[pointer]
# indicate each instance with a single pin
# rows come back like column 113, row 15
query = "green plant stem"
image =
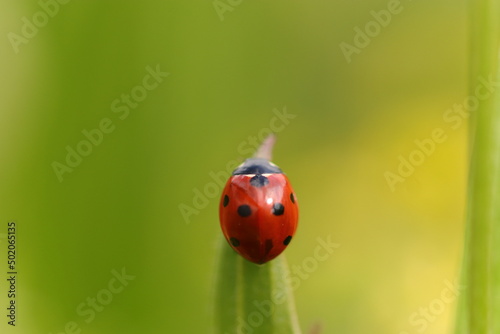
column 253, row 298
column 479, row 308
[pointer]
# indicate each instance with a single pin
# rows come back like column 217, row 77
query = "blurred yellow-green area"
column 108, row 163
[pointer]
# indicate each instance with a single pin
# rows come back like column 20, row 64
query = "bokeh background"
column 120, row 206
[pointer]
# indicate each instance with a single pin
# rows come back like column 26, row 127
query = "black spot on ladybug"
column 292, row 198
column 268, row 245
column 244, row 210
column 226, row 201
column 278, row 209
column 235, row 242
column 259, row 180
column 287, row 240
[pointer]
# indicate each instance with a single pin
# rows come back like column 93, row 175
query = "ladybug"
column 258, row 209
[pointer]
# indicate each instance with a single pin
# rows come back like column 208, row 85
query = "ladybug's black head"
column 257, row 166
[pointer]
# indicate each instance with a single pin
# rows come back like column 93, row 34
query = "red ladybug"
column 258, row 210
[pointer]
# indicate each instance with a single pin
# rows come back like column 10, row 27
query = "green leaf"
column 479, row 308
column 253, row 298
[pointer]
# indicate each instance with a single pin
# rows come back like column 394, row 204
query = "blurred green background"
column 120, row 206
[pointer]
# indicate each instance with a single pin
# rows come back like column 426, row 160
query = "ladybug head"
column 257, row 166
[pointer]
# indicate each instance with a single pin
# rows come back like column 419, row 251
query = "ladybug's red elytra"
column 258, row 210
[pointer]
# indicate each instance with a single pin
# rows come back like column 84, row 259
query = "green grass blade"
column 227, row 294
column 285, row 319
column 253, row 298
column 479, row 309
